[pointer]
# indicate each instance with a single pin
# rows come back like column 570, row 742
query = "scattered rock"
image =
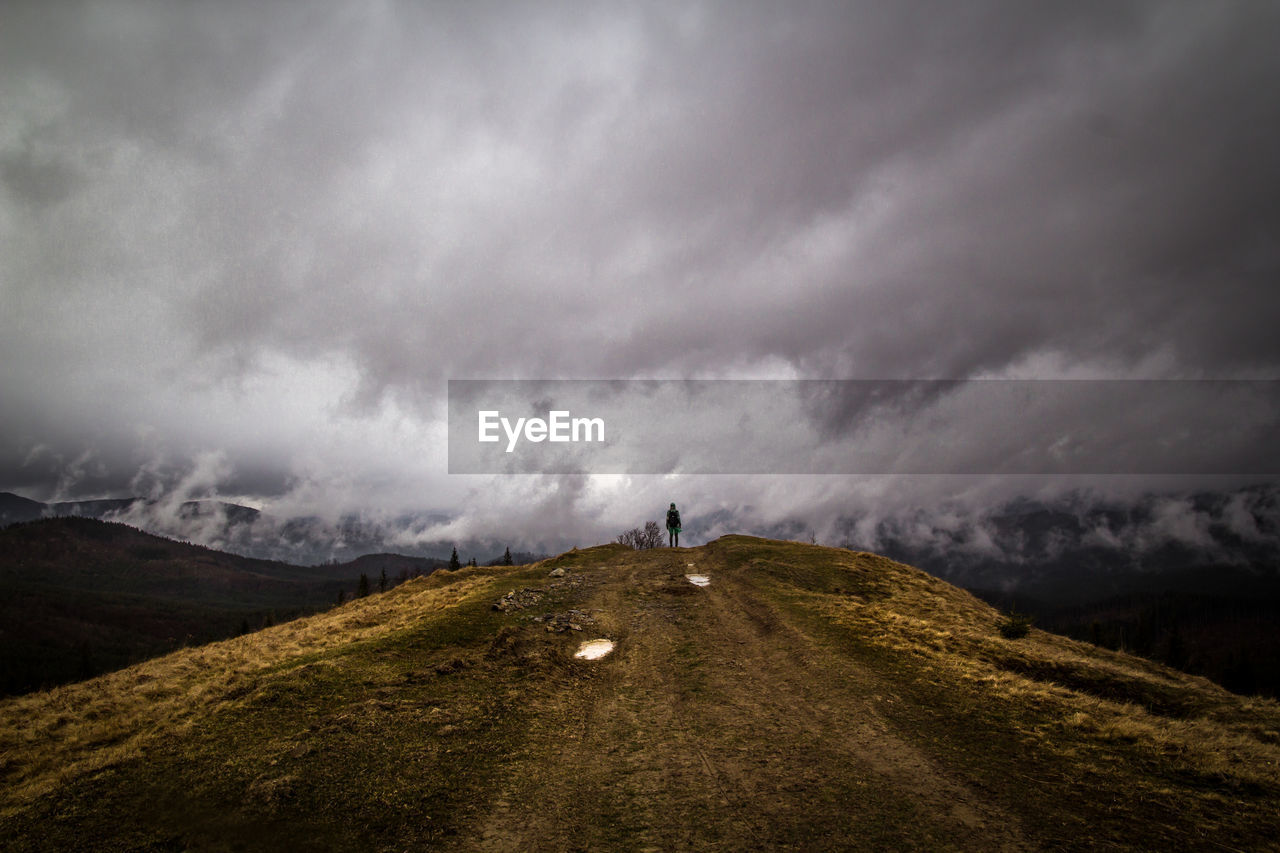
column 570, row 620
column 558, row 573
column 519, row 599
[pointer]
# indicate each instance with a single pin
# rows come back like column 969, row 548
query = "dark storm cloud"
column 273, row 231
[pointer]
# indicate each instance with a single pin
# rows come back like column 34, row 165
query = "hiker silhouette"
column 673, row 526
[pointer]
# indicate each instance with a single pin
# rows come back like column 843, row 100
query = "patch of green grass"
column 689, row 668
column 811, row 568
column 592, row 557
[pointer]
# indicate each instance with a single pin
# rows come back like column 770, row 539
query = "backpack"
column 673, row 518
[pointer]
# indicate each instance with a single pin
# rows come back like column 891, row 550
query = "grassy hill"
column 808, row 698
column 397, row 567
column 80, row 596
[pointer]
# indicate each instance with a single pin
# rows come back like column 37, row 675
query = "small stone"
column 575, row 626
column 558, row 573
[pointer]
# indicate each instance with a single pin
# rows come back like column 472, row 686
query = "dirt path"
column 716, row 725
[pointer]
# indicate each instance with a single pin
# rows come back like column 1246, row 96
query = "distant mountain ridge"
column 15, row 509
column 1186, row 578
column 1075, row 549
column 79, row 596
column 238, row 529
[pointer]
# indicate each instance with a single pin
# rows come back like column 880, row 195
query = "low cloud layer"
column 268, row 235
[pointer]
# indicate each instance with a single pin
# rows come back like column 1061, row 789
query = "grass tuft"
column 1015, row 626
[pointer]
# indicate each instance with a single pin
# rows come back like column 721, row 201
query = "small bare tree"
column 652, row 537
column 631, row 538
column 649, row 537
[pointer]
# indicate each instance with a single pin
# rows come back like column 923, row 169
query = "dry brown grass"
column 809, row 698
column 957, row 637
column 50, row 738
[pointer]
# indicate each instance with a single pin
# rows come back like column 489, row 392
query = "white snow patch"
column 699, row 580
column 594, row 649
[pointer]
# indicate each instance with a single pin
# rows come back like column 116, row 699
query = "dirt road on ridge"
column 716, row 724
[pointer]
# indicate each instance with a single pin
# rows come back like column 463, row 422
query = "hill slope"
column 808, row 697
column 79, row 596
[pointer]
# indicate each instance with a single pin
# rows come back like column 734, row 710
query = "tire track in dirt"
column 809, row 692
column 602, row 745
column 716, row 725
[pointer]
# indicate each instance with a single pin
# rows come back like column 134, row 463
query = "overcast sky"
column 243, row 246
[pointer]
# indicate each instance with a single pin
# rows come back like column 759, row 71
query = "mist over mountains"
column 306, row 540
column 1192, row 578
column 1075, row 549
column 1072, row 548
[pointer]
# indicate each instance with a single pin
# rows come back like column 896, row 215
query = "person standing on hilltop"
column 673, row 526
